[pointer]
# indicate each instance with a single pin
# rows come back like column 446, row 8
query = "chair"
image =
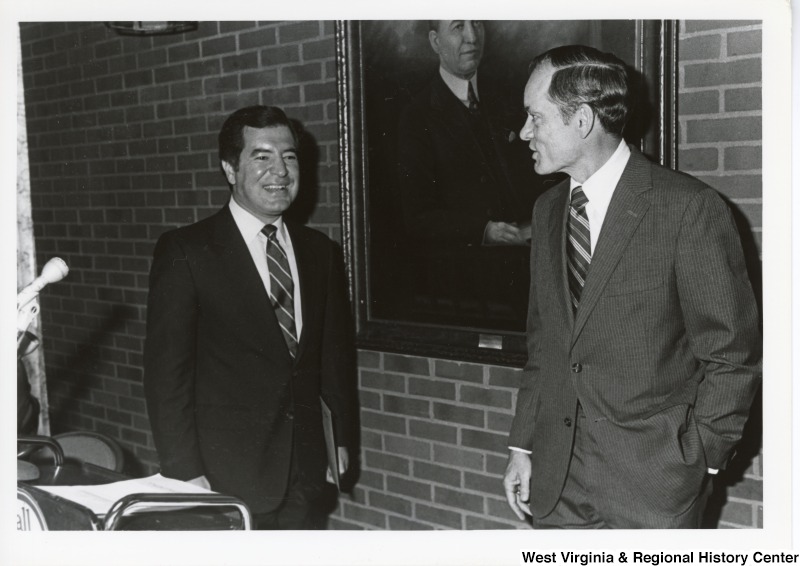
column 92, row 447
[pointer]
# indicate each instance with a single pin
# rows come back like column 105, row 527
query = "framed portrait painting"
column 422, row 189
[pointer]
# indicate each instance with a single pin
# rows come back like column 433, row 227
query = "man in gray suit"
column 644, row 352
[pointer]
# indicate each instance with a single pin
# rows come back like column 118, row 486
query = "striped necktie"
column 472, row 99
column 281, row 287
column 579, row 247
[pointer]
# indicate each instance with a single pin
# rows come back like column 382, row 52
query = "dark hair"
column 585, row 75
column 231, row 140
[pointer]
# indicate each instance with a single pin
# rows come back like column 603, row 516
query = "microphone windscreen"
column 54, row 270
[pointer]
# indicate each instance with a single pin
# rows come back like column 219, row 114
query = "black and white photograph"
column 409, row 291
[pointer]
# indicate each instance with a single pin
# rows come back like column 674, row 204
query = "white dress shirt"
column 458, row 86
column 599, row 188
column 250, row 228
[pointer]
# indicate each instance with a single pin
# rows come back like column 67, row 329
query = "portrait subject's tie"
column 472, row 99
column 281, row 287
column 579, row 245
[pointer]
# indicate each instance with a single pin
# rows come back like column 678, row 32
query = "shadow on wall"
column 75, row 376
column 749, row 447
column 308, row 196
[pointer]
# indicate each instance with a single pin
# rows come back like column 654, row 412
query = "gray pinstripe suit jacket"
column 663, row 354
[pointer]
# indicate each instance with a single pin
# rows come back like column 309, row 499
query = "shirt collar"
column 600, row 186
column 249, row 225
column 457, row 85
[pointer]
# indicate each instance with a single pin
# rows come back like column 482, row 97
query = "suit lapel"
column 249, row 299
column 307, row 272
column 557, row 214
column 625, row 211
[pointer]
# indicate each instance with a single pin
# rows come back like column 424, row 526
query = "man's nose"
column 279, row 167
column 470, row 34
column 526, row 133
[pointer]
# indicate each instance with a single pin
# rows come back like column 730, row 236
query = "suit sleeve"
column 169, row 360
column 425, row 215
column 524, row 415
column 721, row 320
column 338, row 364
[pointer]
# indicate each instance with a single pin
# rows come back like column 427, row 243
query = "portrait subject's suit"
column 663, row 353
column 225, row 398
column 455, row 172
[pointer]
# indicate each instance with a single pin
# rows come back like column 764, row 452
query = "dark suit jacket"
column 224, row 396
column 446, row 187
column 664, row 353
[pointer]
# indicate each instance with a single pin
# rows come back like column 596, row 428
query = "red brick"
column 698, row 159
column 299, row 31
column 433, row 431
column 706, row 25
column 745, row 128
column 736, row 186
column 738, row 513
column 403, row 524
column 390, row 503
column 407, row 447
column 744, row 43
column 505, row 377
column 743, row 99
column 410, row 488
column 431, row 388
column 438, row 516
column 485, row 396
column 458, row 415
column 436, row 473
column 407, row 406
column 457, row 370
column 742, row 157
column 383, row 381
column 457, row 457
column 727, row 73
column 364, row 515
column 700, row 47
column 459, row 499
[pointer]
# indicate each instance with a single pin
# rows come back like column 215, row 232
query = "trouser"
column 296, row 511
column 586, row 504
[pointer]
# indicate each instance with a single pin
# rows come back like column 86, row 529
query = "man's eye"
column 290, row 157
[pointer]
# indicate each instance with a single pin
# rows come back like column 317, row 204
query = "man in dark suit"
column 643, row 341
column 465, row 188
column 246, row 329
column 457, row 180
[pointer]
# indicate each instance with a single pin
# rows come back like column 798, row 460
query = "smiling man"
column 246, row 328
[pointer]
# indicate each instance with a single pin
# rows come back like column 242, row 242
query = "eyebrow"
column 263, row 149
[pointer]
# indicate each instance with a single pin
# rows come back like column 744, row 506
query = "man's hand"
column 200, row 481
column 517, row 481
column 504, row 234
column 344, row 464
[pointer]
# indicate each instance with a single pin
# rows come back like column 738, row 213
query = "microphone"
column 53, row 271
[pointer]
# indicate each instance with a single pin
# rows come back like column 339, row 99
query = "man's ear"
column 433, row 37
column 230, row 172
column 584, row 119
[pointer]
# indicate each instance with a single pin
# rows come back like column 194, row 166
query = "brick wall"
column 122, row 135
column 720, row 142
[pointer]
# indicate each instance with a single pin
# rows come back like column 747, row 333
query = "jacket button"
column 290, row 415
column 577, row 368
column 567, row 422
